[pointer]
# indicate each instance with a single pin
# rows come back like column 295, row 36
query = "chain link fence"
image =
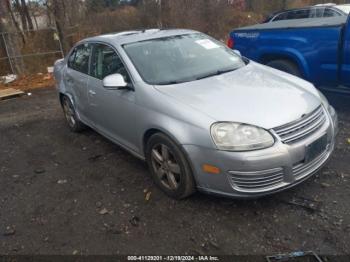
column 38, row 49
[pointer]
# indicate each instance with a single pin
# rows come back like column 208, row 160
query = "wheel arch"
column 154, row 130
column 70, row 97
column 293, row 57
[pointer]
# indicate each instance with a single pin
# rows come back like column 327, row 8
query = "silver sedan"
column 202, row 116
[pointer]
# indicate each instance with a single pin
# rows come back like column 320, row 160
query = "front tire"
column 73, row 122
column 169, row 167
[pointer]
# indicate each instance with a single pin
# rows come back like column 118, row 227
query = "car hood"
column 255, row 94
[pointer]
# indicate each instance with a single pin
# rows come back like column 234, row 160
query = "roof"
column 298, row 23
column 329, row 5
column 137, row 35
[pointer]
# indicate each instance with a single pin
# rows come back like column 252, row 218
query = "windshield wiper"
column 216, row 73
column 174, row 82
column 168, row 83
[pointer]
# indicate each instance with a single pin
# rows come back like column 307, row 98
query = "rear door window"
column 328, row 12
column 299, row 14
column 79, row 59
column 320, row 12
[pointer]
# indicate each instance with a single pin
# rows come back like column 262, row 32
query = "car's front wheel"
column 169, row 167
column 73, row 122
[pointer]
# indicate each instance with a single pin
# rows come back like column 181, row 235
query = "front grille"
column 302, row 128
column 256, row 181
column 272, row 179
column 302, row 170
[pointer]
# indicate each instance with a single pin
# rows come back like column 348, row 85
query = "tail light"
column 230, row 42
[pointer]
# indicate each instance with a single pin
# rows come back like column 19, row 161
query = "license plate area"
column 316, row 148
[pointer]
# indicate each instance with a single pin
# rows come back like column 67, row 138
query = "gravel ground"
column 65, row 193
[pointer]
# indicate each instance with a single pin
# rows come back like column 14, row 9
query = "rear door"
column 76, row 77
column 112, row 111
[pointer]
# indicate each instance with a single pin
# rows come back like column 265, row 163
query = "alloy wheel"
column 166, row 166
column 69, row 113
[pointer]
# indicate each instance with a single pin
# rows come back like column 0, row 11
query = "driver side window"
column 105, row 61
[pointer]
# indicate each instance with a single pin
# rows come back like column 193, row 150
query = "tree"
column 19, row 9
column 10, row 35
column 27, row 15
column 66, row 15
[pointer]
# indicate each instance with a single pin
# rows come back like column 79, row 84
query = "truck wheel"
column 285, row 66
column 169, row 167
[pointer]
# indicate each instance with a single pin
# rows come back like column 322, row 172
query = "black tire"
column 285, row 66
column 179, row 184
column 73, row 121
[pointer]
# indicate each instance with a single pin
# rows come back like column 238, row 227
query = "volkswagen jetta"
column 202, row 116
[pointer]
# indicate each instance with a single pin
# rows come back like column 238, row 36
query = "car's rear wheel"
column 169, row 167
column 73, row 122
column 285, row 66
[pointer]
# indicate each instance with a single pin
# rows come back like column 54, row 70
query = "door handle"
column 92, row 92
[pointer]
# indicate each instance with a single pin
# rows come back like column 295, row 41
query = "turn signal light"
column 211, row 169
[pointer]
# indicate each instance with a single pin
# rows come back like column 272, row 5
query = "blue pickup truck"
column 317, row 50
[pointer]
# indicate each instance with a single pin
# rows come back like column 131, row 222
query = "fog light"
column 211, row 169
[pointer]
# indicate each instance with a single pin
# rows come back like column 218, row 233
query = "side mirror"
column 116, row 82
column 237, row 52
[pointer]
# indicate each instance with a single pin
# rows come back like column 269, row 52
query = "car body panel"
column 102, row 102
column 237, row 91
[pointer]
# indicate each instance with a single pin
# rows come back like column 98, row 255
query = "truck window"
column 316, row 12
column 299, row 14
column 330, row 13
column 282, row 16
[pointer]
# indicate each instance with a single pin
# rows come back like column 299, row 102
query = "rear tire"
column 285, row 66
column 169, row 167
column 73, row 121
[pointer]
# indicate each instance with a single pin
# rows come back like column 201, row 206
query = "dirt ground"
column 30, row 82
column 66, row 193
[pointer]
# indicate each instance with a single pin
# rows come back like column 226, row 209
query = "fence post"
column 7, row 53
column 59, row 41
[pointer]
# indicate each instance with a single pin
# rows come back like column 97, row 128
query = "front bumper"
column 262, row 172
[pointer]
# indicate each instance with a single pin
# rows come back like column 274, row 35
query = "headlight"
column 240, row 137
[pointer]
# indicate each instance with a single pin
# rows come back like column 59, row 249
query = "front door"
column 112, row 111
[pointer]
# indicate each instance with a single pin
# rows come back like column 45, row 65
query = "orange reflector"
column 211, row 169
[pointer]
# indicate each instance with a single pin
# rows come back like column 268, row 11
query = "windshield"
column 181, row 58
column 344, row 8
